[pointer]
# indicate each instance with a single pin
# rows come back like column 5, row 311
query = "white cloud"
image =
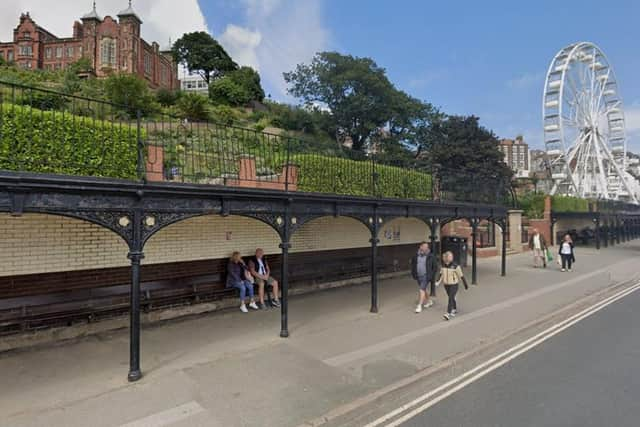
column 162, row 19
column 277, row 35
column 242, row 44
column 526, row 80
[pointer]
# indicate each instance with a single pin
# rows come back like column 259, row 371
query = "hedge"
column 533, row 204
column 324, row 174
column 569, row 204
column 54, row 142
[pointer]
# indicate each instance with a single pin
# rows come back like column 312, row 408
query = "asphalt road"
column 587, row 375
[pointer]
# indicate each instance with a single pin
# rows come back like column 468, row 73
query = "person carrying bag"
column 451, row 275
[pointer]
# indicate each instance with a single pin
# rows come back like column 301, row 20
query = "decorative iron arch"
column 118, row 222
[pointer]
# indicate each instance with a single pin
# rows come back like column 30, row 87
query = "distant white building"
column 194, row 83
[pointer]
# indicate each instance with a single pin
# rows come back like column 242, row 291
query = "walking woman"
column 451, row 276
column 566, row 253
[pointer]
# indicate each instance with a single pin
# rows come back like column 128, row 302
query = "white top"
column 261, row 269
column 566, row 248
column 536, row 242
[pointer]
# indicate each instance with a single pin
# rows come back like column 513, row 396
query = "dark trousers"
column 566, row 260
column 452, row 290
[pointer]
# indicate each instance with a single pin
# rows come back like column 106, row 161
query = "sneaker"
column 275, row 303
column 263, row 306
column 243, row 308
column 428, row 304
column 569, row 270
column 419, row 309
column 562, row 269
column 254, row 306
column 447, row 316
column 454, row 312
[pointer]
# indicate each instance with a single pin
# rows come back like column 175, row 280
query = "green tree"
column 467, row 159
column 131, row 92
column 193, row 106
column 356, row 91
column 237, row 88
column 200, row 53
column 167, row 97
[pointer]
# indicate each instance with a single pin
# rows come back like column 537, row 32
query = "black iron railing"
column 52, row 132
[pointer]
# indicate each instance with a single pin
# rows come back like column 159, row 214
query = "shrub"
column 193, row 106
column 532, row 205
column 224, row 114
column 569, row 204
column 45, row 141
column 131, row 92
column 323, row 174
column 237, row 87
column 166, row 97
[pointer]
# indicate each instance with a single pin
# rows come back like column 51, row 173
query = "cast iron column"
column 605, row 234
column 596, row 221
column 374, row 263
column 432, row 240
column 503, row 266
column 135, row 255
column 474, row 272
column 284, row 275
column 618, row 230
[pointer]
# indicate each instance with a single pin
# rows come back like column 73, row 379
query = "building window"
column 164, row 74
column 26, row 50
column 1, row 54
column 108, row 52
column 58, row 52
column 70, row 52
column 147, row 64
column 26, row 36
column 48, row 52
column 10, row 56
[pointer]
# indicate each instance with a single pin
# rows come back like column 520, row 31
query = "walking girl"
column 451, row 276
column 566, row 253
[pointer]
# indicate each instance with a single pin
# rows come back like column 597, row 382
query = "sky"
column 486, row 58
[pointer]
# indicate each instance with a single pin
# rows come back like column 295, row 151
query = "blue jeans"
column 246, row 289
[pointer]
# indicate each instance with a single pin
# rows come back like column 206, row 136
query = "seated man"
column 259, row 269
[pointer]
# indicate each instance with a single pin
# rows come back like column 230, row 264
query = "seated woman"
column 238, row 277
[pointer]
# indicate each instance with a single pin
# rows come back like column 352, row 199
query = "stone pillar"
column 514, row 220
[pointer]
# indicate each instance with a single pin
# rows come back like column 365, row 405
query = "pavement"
column 232, row 369
column 586, row 376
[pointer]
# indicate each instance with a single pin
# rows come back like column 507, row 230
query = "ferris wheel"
column 584, row 130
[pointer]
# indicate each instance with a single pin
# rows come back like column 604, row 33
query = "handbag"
column 549, row 255
column 559, row 259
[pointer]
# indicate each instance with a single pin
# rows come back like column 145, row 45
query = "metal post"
column 432, row 241
column 618, row 230
column 503, row 267
column 284, row 275
column 551, row 233
column 135, row 255
column 141, row 166
column 374, row 264
column 598, row 231
column 474, row 272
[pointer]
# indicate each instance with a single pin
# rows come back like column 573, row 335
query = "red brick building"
column 110, row 45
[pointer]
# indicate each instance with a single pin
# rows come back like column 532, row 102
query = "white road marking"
column 168, row 417
column 492, row 364
column 361, row 353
